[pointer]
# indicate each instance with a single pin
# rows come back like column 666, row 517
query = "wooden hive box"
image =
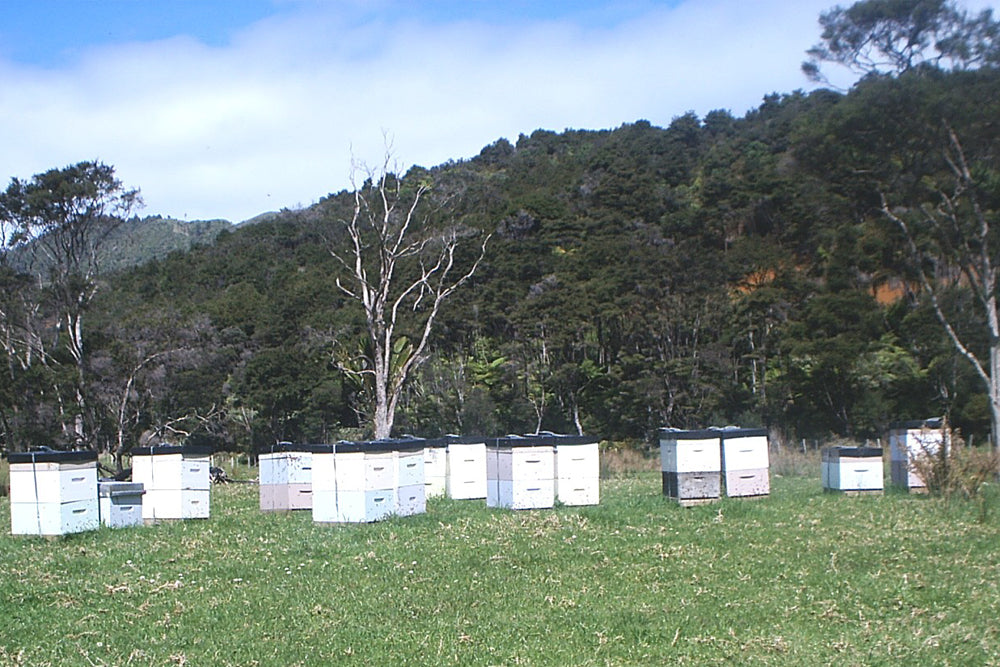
column 691, row 465
column 520, row 472
column 745, row 462
column 285, row 477
column 466, row 467
column 53, row 492
column 120, row 503
column 176, row 480
column 577, row 469
column 909, row 442
column 852, row 469
column 435, row 467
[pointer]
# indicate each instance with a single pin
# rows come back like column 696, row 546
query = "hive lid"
column 280, row 447
column 681, row 434
column 515, row 440
column 737, row 432
column 853, row 452
column 105, row 488
column 52, row 456
column 370, row 446
column 184, row 450
column 932, row 423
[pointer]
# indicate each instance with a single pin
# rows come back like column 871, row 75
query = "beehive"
column 577, row 469
column 909, row 443
column 745, row 462
column 435, row 467
column 852, row 469
column 285, row 477
column 520, row 472
column 466, row 467
column 120, row 503
column 691, row 465
column 53, row 492
column 359, row 482
column 176, row 481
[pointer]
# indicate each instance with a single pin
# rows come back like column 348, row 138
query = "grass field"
column 798, row 578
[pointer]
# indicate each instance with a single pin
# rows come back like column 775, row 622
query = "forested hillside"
column 717, row 271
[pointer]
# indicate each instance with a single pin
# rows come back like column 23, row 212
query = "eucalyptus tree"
column 61, row 218
column 400, row 267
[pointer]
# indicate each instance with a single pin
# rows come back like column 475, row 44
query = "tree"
column 62, row 217
column 895, row 36
column 401, row 269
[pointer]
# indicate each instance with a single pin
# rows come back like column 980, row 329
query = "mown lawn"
column 798, row 578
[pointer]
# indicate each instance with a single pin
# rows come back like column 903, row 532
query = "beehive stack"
column 466, row 468
column 911, row 444
column 745, row 462
column 360, row 482
column 176, row 481
column 53, row 492
column 520, row 473
column 691, row 465
column 852, row 469
column 577, row 469
column 285, row 477
column 120, row 503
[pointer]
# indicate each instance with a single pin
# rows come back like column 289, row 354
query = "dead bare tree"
column 396, row 261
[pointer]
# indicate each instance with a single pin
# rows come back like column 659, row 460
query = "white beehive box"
column 367, row 481
column 466, row 468
column 908, row 443
column 120, row 503
column 577, row 461
column 285, row 477
column 520, row 472
column 176, row 480
column 53, row 492
column 853, row 469
column 691, row 465
column 745, row 462
column 435, row 467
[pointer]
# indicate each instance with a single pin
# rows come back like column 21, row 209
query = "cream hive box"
column 176, row 480
column 53, row 492
column 435, row 467
column 745, row 462
column 691, row 465
column 909, row 442
column 852, row 469
column 577, row 473
column 520, row 472
column 466, row 467
column 410, row 483
column 285, row 477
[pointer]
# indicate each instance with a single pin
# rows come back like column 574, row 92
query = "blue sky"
column 226, row 108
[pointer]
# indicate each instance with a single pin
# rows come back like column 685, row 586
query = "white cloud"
column 270, row 120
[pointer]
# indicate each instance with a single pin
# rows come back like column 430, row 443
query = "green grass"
column 798, row 578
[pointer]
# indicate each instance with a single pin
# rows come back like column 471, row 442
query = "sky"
column 230, row 108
